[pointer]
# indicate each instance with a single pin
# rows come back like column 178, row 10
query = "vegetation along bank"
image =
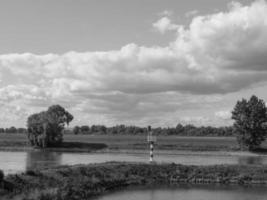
column 86, row 181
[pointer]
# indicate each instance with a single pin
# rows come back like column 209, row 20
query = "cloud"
column 223, row 114
column 196, row 120
column 166, row 13
column 12, row 113
column 191, row 13
column 165, row 24
column 217, row 54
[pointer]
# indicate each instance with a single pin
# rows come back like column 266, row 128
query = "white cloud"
column 223, row 114
column 166, row 13
column 196, row 120
column 12, row 114
column 165, row 24
column 217, row 54
column 191, row 13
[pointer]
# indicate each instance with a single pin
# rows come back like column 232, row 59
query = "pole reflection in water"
column 43, row 159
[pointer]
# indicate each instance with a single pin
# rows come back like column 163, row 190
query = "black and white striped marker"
column 151, row 151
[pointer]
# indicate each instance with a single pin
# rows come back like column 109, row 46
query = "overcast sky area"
column 131, row 62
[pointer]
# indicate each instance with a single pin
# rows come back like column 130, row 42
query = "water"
column 13, row 162
column 188, row 193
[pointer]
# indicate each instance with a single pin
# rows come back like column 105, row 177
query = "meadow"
column 127, row 142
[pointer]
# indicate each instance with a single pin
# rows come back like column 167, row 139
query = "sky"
column 142, row 62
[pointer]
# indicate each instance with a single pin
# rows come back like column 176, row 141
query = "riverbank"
column 86, row 181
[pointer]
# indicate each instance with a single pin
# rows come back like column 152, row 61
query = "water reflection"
column 250, row 160
column 13, row 162
column 42, row 159
column 192, row 193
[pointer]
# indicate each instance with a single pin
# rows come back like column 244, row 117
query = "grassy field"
column 163, row 142
column 129, row 142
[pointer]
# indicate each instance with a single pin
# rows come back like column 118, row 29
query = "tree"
column 12, row 129
column 250, row 122
column 21, row 130
column 46, row 128
column 85, row 129
column 76, row 130
column 179, row 129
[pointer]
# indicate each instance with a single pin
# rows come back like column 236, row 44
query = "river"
column 190, row 193
column 14, row 162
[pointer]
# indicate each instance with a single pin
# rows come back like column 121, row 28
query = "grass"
column 129, row 142
column 86, row 181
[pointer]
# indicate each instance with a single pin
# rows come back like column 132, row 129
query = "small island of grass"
column 86, row 181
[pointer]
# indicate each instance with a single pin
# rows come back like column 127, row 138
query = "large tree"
column 250, row 122
column 45, row 128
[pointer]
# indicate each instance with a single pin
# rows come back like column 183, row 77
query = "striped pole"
column 151, row 151
column 151, row 141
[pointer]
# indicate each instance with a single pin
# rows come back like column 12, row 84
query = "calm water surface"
column 204, row 193
column 13, row 162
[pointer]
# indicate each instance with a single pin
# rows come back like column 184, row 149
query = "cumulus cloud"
column 191, row 13
column 164, row 24
column 196, row 120
column 218, row 53
column 166, row 13
column 223, row 114
column 12, row 113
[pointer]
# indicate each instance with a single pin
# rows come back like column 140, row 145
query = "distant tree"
column 12, row 129
column 46, row 128
column 250, row 122
column 76, row 130
column 85, row 129
column 179, row 128
column 21, row 130
column 102, row 129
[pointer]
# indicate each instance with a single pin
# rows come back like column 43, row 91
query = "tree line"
column 179, row 130
column 13, row 129
column 250, row 126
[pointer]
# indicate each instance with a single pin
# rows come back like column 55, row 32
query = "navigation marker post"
column 151, row 140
